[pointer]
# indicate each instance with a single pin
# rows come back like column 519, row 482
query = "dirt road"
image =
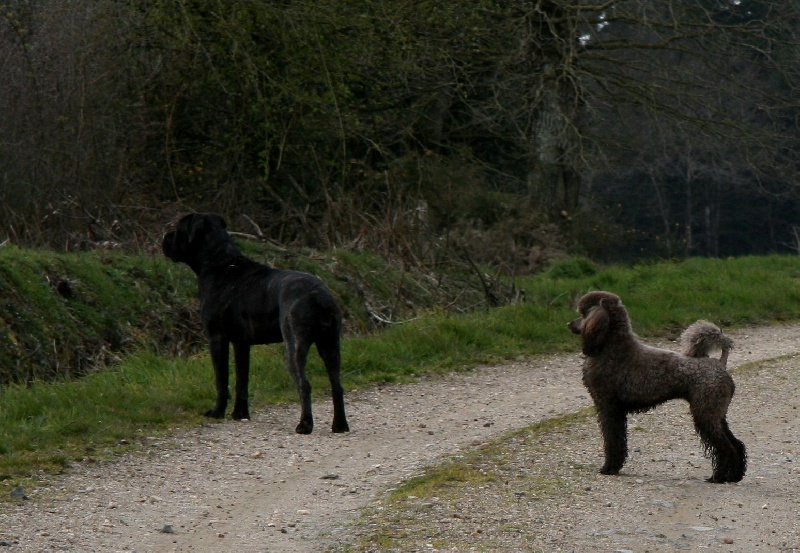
column 257, row 487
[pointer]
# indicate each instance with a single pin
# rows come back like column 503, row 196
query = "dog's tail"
column 703, row 337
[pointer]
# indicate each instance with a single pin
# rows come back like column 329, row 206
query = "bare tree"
column 63, row 120
column 327, row 117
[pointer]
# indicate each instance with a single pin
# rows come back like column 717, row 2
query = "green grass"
column 46, row 425
column 62, row 315
column 405, row 514
column 65, row 314
column 665, row 295
column 479, row 466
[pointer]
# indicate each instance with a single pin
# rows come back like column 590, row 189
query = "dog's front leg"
column 241, row 405
column 613, row 425
column 219, row 358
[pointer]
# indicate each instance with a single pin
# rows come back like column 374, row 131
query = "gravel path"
column 257, row 487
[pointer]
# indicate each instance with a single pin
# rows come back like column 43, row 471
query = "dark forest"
column 508, row 132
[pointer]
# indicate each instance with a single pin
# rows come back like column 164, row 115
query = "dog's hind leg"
column 296, row 355
column 219, row 358
column 328, row 349
column 727, row 453
column 717, row 448
column 241, row 403
column 738, row 465
column 613, row 425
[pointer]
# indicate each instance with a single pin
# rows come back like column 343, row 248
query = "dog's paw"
column 215, row 413
column 338, row 428
column 304, row 427
column 609, row 471
column 716, row 479
column 241, row 415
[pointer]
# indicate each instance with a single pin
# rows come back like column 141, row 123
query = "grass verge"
column 45, row 426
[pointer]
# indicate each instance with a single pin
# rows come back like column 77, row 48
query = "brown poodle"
column 625, row 376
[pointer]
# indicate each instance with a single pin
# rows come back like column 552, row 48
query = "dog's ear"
column 594, row 330
column 196, row 225
column 199, row 223
column 219, row 220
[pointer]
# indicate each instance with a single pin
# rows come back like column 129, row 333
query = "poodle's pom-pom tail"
column 703, row 337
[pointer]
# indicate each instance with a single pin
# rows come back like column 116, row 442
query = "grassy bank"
column 47, row 425
column 68, row 314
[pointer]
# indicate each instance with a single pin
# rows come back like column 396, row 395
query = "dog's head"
column 194, row 234
column 601, row 312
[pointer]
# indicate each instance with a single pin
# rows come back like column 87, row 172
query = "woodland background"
column 503, row 132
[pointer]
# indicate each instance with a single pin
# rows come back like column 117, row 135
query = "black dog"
column 625, row 376
column 246, row 303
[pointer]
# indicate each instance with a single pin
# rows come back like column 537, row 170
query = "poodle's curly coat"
column 625, row 376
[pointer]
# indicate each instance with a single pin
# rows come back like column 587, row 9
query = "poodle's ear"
column 595, row 329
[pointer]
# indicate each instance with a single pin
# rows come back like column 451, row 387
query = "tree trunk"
column 688, row 224
column 553, row 181
column 663, row 211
